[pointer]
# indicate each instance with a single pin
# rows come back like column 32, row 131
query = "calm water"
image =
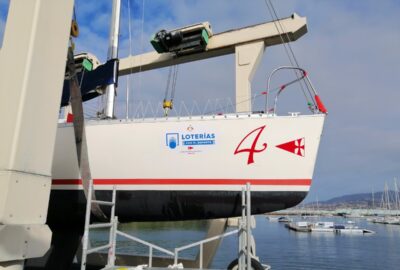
column 281, row 248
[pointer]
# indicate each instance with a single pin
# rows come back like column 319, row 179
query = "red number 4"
column 252, row 149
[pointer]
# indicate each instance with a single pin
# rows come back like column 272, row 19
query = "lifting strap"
column 80, row 135
column 92, row 81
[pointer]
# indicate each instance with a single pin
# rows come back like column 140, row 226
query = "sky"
column 351, row 52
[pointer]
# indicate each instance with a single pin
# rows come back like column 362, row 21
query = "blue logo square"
column 172, row 140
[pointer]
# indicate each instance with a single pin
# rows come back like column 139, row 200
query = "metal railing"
column 148, row 244
column 146, row 109
column 201, row 244
column 244, row 233
column 313, row 101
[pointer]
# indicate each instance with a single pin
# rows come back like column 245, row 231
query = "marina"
column 301, row 250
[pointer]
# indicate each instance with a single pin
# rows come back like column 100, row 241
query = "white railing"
column 148, row 244
column 201, row 244
column 150, row 109
column 244, row 233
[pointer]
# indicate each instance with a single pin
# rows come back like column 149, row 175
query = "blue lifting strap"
column 99, row 78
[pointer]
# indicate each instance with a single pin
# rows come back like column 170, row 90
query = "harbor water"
column 278, row 246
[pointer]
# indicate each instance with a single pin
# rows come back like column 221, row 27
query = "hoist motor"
column 182, row 41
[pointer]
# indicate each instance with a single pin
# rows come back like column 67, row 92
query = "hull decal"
column 252, row 150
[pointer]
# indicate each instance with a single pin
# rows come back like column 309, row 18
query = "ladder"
column 111, row 225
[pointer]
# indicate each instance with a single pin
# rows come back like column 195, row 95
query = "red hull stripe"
column 261, row 182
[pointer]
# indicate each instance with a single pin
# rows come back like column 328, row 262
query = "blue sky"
column 351, row 52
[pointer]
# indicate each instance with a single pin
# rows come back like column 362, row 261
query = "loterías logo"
column 252, row 150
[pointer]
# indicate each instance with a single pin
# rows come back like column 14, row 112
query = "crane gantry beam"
column 220, row 44
column 247, row 43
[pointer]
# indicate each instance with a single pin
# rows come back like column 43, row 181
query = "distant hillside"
column 354, row 198
column 360, row 199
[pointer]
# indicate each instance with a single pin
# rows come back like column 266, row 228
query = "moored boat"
column 323, row 226
column 299, row 226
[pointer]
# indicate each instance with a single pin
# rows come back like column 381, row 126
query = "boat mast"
column 386, row 199
column 373, row 199
column 396, row 195
column 108, row 111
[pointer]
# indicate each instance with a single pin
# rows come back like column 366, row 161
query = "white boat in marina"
column 350, row 229
column 273, row 218
column 299, row 226
column 342, row 229
column 323, row 226
column 331, row 227
column 285, row 219
column 393, row 220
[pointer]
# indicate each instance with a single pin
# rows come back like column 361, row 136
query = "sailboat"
column 389, row 206
column 194, row 167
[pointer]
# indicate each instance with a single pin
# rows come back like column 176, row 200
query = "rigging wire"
column 288, row 49
column 128, row 79
column 306, row 82
column 287, row 46
column 141, row 46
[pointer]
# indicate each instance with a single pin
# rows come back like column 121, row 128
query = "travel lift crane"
column 32, row 69
column 197, row 42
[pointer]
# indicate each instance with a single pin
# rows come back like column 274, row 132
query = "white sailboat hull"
column 195, row 161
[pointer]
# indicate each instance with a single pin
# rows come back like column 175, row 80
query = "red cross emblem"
column 296, row 147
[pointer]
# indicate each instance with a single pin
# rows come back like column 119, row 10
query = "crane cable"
column 170, row 89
